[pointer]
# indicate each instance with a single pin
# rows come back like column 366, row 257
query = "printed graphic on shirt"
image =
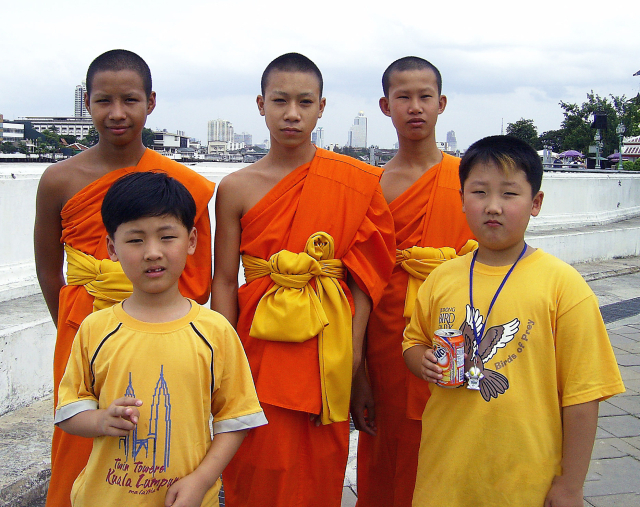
column 446, row 317
column 144, row 456
column 492, row 383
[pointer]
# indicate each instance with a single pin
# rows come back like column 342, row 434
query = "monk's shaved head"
column 291, row 62
column 409, row 63
column 120, row 59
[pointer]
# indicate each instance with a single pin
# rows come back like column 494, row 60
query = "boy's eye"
column 168, row 237
column 135, row 240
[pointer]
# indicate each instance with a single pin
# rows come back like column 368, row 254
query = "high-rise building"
column 245, row 138
column 220, row 130
column 358, row 132
column 451, row 141
column 80, row 111
column 317, row 137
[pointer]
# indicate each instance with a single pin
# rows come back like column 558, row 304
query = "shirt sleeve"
column 586, row 366
column 234, row 403
column 75, row 393
column 418, row 331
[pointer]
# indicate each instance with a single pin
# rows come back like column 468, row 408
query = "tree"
column 92, row 138
column 8, row 147
column 552, row 138
column 147, row 137
column 525, row 130
column 23, row 148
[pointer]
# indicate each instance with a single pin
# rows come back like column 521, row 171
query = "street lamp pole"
column 620, row 131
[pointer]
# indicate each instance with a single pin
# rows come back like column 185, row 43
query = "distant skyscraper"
column 451, row 140
column 317, row 137
column 245, row 138
column 358, row 132
column 80, row 111
column 220, row 130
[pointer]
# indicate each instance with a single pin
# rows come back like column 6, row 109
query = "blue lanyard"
column 495, row 297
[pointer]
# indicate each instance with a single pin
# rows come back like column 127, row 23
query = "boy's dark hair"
column 291, row 62
column 120, row 59
column 409, row 63
column 506, row 152
column 146, row 194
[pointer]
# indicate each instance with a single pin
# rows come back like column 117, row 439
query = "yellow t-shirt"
column 183, row 371
column 545, row 346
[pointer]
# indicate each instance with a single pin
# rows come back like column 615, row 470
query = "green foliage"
column 525, row 130
column 69, row 139
column 51, row 139
column 91, row 139
column 147, row 137
column 8, row 147
column 553, row 138
column 23, row 148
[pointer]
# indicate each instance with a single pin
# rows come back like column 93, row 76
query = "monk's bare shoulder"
column 244, row 188
column 66, row 178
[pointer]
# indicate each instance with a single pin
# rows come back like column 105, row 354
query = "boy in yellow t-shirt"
column 538, row 358
column 144, row 376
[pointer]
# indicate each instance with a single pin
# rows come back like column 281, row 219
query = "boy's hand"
column 187, row 492
column 562, row 494
column 429, row 368
column 120, row 418
column 362, row 404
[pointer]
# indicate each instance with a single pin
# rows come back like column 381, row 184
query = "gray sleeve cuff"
column 68, row 411
column 244, row 422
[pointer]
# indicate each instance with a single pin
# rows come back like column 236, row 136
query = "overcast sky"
column 500, row 60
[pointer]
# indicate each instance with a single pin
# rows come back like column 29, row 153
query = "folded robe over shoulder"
column 341, row 197
column 83, row 230
column 427, row 214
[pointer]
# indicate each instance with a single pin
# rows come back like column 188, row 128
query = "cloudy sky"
column 500, row 60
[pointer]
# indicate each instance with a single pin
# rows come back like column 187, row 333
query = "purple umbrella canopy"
column 570, row 153
column 614, row 156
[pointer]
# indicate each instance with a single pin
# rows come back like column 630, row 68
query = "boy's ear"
column 442, row 104
column 193, row 241
column 462, row 199
column 111, row 249
column 87, row 103
column 537, row 203
column 151, row 103
column 323, row 103
column 384, row 106
column 260, row 102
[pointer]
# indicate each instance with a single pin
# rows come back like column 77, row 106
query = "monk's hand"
column 187, row 492
column 429, row 368
column 315, row 419
column 362, row 405
column 120, row 418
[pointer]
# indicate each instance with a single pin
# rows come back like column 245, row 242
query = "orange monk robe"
column 429, row 213
column 292, row 462
column 82, row 229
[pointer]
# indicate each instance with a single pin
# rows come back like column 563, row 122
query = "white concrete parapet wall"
column 581, row 199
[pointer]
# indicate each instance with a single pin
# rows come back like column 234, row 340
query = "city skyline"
column 497, row 66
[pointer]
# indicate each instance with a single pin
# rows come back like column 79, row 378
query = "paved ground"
column 614, row 473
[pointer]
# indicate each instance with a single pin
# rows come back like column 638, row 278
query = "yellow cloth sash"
column 419, row 262
column 292, row 311
column 103, row 279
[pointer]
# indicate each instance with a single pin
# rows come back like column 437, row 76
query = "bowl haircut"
column 291, row 62
column 146, row 194
column 120, row 59
column 506, row 152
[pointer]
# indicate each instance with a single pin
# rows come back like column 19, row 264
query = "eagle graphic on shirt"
column 496, row 337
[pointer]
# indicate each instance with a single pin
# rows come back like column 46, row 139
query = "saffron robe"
column 340, row 196
column 428, row 214
column 82, row 228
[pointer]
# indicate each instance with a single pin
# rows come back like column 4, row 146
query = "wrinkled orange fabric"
column 82, row 228
column 429, row 213
column 342, row 197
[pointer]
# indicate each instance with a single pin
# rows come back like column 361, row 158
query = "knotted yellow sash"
column 292, row 311
column 103, row 279
column 419, row 262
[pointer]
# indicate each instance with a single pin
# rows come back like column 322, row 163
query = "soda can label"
column 448, row 347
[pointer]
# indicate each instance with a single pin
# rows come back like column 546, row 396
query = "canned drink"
column 448, row 347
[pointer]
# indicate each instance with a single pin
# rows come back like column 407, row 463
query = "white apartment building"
column 220, row 130
column 72, row 126
column 11, row 132
column 358, row 132
column 317, row 137
column 80, row 111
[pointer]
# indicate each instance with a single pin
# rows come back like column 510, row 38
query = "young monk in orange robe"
column 422, row 187
column 68, row 218
column 316, row 240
